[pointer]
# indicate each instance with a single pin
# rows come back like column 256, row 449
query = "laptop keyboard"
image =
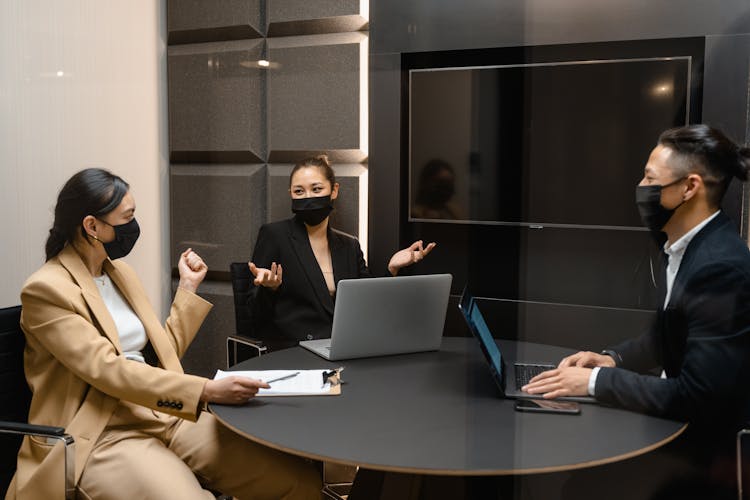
column 525, row 372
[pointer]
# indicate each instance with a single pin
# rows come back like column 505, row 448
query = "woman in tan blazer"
column 100, row 364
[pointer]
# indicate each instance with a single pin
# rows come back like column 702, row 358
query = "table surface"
column 437, row 413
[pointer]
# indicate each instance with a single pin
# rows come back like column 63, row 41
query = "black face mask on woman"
column 125, row 237
column 653, row 214
column 312, row 211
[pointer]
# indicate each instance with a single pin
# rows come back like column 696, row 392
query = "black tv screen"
column 558, row 143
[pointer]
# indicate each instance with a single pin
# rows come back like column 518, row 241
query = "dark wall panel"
column 426, row 25
column 216, row 96
column 192, row 21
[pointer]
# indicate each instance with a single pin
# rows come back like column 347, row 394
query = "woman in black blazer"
column 298, row 262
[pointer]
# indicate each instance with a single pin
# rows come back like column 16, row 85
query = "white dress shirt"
column 674, row 252
column 129, row 326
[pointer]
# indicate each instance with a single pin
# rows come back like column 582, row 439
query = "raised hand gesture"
column 408, row 256
column 268, row 278
column 192, row 270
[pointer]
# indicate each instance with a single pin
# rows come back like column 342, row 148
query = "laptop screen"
column 481, row 331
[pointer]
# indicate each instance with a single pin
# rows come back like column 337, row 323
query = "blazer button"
column 160, row 403
column 179, row 406
column 309, row 336
column 173, row 404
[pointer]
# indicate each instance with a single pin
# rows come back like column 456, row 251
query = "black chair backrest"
column 14, row 391
column 242, row 280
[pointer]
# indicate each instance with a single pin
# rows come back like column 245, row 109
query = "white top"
column 674, row 252
column 129, row 326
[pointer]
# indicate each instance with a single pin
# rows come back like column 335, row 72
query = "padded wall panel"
column 346, row 214
column 316, row 93
column 207, row 352
column 191, row 21
column 217, row 210
column 303, row 17
column 215, row 102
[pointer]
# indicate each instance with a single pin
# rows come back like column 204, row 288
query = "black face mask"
column 440, row 192
column 648, row 200
column 312, row 211
column 125, row 237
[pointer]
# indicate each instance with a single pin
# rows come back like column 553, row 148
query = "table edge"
column 453, row 472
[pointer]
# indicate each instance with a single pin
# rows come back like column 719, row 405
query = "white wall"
column 82, row 83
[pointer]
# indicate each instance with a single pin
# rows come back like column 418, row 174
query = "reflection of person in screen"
column 314, row 257
column 435, row 190
column 701, row 335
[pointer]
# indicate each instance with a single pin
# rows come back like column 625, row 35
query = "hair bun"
column 323, row 158
column 743, row 163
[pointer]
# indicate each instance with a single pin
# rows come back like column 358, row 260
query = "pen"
column 291, row 375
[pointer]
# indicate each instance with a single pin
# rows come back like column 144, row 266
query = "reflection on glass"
column 560, row 143
column 435, row 190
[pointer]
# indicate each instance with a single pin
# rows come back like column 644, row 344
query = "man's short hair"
column 706, row 151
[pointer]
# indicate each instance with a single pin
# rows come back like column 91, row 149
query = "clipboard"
column 318, row 382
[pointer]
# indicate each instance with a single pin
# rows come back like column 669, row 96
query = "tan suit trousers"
column 146, row 454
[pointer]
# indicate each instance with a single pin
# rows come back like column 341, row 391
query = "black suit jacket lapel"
column 301, row 244
column 688, row 259
column 338, row 256
column 674, row 315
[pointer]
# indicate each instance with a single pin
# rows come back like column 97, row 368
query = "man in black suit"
column 701, row 335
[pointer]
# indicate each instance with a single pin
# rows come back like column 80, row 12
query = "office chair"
column 15, row 398
column 242, row 346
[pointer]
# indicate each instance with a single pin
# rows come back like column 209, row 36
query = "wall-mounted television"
column 541, row 136
column 522, row 162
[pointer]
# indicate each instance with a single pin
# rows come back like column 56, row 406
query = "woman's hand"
column 409, row 256
column 269, row 278
column 192, row 270
column 231, row 390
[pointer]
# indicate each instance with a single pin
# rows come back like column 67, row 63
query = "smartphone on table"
column 548, row 406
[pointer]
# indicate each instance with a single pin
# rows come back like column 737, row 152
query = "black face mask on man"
column 653, row 214
column 125, row 237
column 312, row 211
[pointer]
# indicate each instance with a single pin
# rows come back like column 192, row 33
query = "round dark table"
column 437, row 413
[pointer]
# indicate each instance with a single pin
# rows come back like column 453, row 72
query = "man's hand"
column 569, row 381
column 232, row 390
column 587, row 359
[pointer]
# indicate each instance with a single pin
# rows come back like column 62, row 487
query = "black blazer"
column 701, row 340
column 301, row 308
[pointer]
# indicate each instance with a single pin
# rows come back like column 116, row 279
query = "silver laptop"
column 381, row 316
column 510, row 386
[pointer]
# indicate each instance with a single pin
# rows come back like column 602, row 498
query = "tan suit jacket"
column 76, row 371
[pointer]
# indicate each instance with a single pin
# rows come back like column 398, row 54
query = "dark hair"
column 321, row 162
column 431, row 170
column 709, row 153
column 92, row 191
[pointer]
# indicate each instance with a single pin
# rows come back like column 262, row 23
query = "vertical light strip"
column 363, row 189
column 363, row 134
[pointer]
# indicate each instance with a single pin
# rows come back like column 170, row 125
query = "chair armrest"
column 233, row 341
column 743, row 437
column 31, row 429
column 49, row 432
